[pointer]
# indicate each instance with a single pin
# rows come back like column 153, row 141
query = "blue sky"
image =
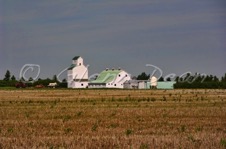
column 177, row 35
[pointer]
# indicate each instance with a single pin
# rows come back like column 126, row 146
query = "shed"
column 142, row 84
column 166, row 85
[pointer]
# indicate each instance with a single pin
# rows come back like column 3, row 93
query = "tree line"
column 10, row 81
column 189, row 81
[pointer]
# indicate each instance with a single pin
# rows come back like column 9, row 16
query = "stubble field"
column 55, row 118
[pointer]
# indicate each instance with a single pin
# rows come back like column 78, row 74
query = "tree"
column 64, row 81
column 13, row 78
column 143, row 76
column 22, row 79
column 223, row 79
column 187, row 77
column 177, row 79
column 215, row 79
column 30, row 79
column 63, row 84
column 161, row 79
column 7, row 75
column 168, row 79
column 55, row 78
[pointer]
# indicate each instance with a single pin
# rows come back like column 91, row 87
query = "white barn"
column 110, row 78
column 77, row 74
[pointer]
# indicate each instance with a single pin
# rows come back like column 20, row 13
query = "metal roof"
column 166, row 85
column 76, row 57
column 107, row 76
column 71, row 67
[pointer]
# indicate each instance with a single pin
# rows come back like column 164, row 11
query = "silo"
column 153, row 82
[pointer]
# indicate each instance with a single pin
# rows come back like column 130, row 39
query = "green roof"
column 76, row 57
column 166, row 85
column 106, row 76
column 71, row 67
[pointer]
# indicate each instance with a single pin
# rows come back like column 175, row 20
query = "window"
column 81, row 84
column 119, row 75
column 80, row 64
column 126, row 75
column 115, row 84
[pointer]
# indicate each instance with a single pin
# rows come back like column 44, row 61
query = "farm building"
column 166, row 85
column 77, row 74
column 142, row 84
column 130, row 84
column 110, row 78
column 153, row 83
column 136, row 84
column 146, row 84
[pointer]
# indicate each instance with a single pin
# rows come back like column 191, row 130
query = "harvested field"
column 55, row 118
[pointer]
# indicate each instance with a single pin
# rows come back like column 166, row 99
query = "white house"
column 77, row 74
column 110, row 78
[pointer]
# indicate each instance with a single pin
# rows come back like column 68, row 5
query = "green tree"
column 177, row 79
column 55, row 78
column 168, row 79
column 22, row 79
column 13, row 78
column 161, row 79
column 143, row 76
column 64, row 81
column 215, row 79
column 7, row 75
column 223, row 79
column 30, row 79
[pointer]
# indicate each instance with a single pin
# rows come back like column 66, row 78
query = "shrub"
column 114, row 125
column 67, row 130
column 223, row 142
column 79, row 114
column 66, row 118
column 10, row 130
column 129, row 132
column 191, row 138
column 182, row 128
column 164, row 98
column 95, row 126
column 144, row 146
column 200, row 128
column 153, row 99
